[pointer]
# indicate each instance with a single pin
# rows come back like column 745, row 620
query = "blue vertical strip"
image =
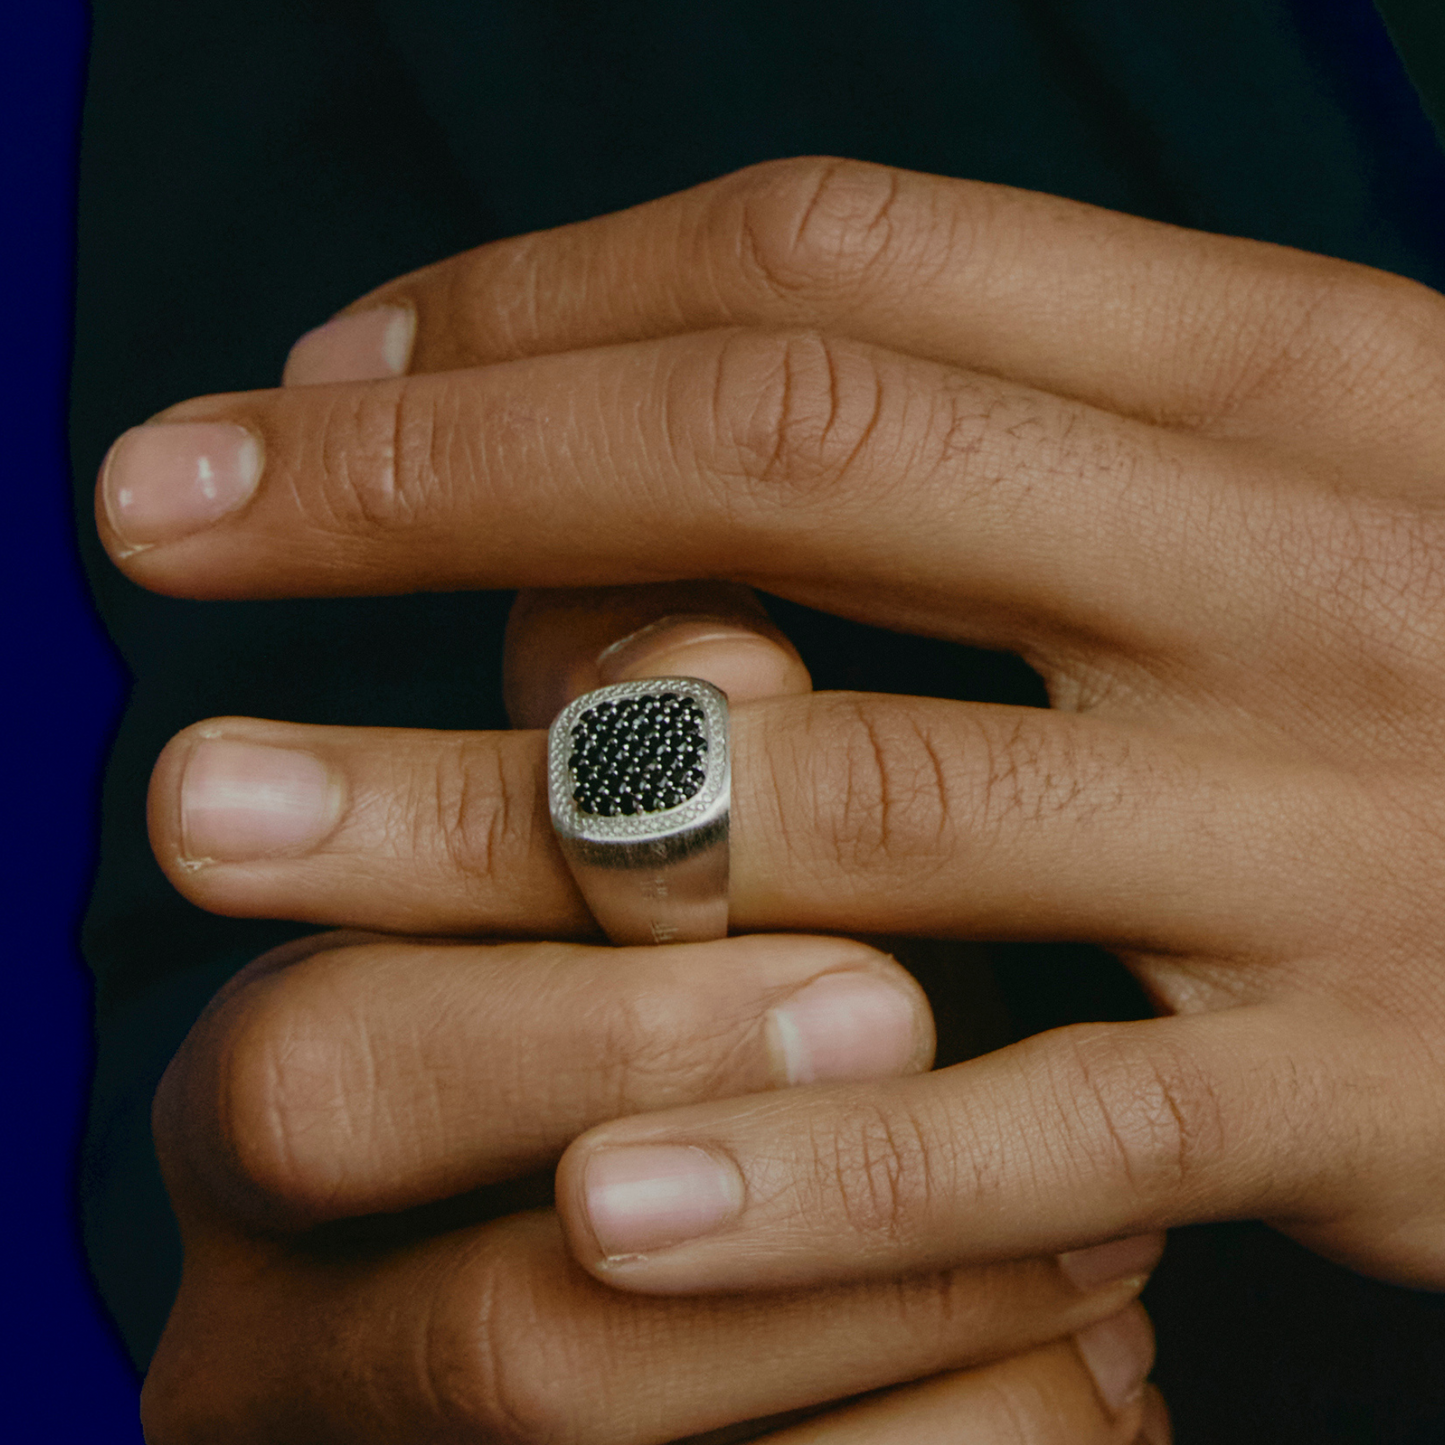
column 66, row 1377
column 1352, row 51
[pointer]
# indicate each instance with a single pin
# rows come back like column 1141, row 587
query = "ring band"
column 640, row 784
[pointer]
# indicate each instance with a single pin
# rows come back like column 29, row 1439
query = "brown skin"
column 378, row 1075
column 329, row 1083
column 1191, row 479
column 357, row 1073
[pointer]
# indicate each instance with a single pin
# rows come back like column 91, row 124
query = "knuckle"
column 1375, row 331
column 971, row 422
column 879, row 788
column 380, row 456
column 295, row 1093
column 791, row 413
column 874, row 1170
column 1027, row 774
column 481, row 810
column 271, row 1094
column 1151, row 1116
column 1367, row 346
column 496, row 1364
column 496, row 299
column 1022, row 1404
column 657, row 1047
column 817, row 227
column 919, row 1305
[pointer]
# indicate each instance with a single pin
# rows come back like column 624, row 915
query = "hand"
column 343, row 1127
column 1191, row 479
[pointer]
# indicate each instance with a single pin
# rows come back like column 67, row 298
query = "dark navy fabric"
column 249, row 169
column 1418, row 30
column 1350, row 49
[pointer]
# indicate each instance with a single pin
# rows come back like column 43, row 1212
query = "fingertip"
column 368, row 345
column 848, row 1026
column 163, row 792
column 562, row 643
column 1102, row 1265
column 744, row 661
column 1119, row 1353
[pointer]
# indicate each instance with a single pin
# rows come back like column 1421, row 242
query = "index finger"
column 1089, row 1132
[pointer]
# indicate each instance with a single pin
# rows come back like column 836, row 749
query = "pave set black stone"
column 638, row 755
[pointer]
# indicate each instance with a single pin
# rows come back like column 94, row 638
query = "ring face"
column 639, row 784
column 639, row 753
column 619, row 748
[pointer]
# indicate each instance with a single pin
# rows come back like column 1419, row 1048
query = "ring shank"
column 655, row 896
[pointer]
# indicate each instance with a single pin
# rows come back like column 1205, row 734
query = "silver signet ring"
column 640, row 783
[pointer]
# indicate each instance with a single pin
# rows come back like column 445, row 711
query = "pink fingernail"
column 842, row 1026
column 1091, row 1269
column 241, row 801
column 1119, row 1352
column 166, row 480
column 362, row 346
column 650, row 1196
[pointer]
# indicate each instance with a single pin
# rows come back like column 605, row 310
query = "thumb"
column 562, row 643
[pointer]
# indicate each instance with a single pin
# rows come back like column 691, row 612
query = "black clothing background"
column 249, row 169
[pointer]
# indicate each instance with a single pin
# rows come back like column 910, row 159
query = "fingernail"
column 1091, row 1269
column 168, row 479
column 650, row 1196
column 842, row 1026
column 362, row 346
column 241, row 801
column 1119, row 1352
column 743, row 663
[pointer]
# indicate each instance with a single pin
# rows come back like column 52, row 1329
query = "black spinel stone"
column 640, row 755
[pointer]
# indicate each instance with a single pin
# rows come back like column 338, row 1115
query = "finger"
column 1127, row 314
column 1062, row 1394
column 850, row 812
column 565, row 642
column 1156, row 1428
column 1084, row 1133
column 375, row 1078
column 887, row 488
column 492, row 1333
